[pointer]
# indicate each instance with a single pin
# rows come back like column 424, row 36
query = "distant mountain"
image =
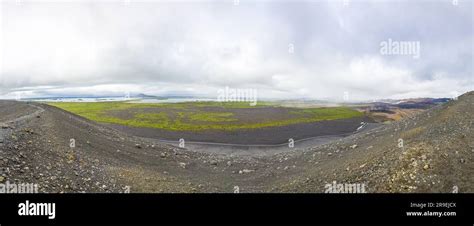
column 145, row 96
column 415, row 103
column 421, row 103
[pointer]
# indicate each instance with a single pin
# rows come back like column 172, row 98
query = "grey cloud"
column 207, row 45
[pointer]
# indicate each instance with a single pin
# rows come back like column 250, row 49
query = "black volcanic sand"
column 243, row 115
column 262, row 136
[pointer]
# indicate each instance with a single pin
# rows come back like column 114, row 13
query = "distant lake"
column 171, row 100
column 82, row 99
column 131, row 100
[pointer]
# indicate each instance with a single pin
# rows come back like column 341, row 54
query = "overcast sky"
column 283, row 49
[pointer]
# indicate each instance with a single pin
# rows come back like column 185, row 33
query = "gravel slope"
column 260, row 136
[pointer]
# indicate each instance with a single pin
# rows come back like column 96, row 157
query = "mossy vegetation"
column 194, row 116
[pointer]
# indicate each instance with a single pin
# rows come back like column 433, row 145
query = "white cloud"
column 195, row 48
